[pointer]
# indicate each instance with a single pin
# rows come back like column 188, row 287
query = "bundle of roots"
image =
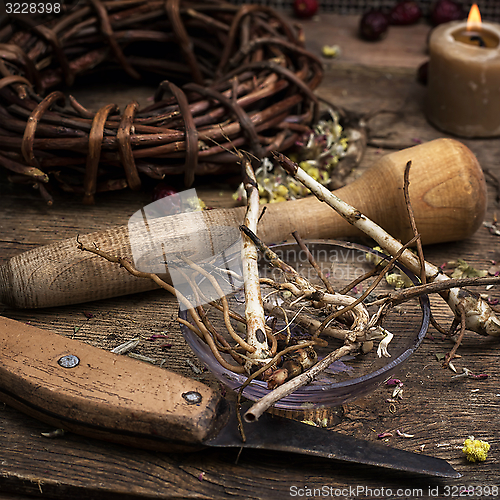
column 229, row 77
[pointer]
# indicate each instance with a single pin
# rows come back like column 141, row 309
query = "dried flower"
column 475, row 450
column 331, row 51
column 398, row 280
column 319, row 153
column 464, row 270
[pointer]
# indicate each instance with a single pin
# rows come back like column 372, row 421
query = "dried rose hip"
column 373, row 25
column 305, row 8
column 444, row 11
column 171, row 204
column 162, row 190
column 404, row 13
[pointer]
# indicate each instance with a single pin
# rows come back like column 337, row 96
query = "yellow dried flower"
column 314, row 173
column 330, row 50
column 282, row 190
column 277, row 199
column 475, row 450
column 398, row 280
column 305, row 166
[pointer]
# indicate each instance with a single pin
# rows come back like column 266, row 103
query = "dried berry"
column 373, row 25
column 444, row 11
column 404, row 13
column 305, row 8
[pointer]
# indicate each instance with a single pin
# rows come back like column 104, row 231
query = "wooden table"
column 439, row 410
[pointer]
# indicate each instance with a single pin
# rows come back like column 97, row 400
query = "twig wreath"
column 238, row 74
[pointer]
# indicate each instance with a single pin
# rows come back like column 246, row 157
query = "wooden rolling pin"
column 447, row 191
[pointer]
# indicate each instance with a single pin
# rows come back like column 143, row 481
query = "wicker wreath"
column 234, row 77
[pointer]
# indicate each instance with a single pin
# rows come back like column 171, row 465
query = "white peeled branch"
column 254, row 310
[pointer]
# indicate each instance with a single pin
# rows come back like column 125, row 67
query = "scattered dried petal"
column 140, row 357
column 404, row 434
column 385, row 435
column 492, row 228
column 193, row 367
column 156, row 336
column 309, row 422
column 398, row 392
column 126, row 346
column 393, row 381
column 53, row 434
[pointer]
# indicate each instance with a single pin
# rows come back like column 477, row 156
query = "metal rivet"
column 69, row 361
column 192, row 397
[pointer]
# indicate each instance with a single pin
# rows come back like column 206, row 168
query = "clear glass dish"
column 352, row 376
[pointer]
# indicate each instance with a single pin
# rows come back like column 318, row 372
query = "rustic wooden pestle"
column 447, row 191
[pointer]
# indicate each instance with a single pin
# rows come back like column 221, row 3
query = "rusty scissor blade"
column 282, row 434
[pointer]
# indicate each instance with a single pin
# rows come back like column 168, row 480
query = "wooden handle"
column 447, row 190
column 104, row 395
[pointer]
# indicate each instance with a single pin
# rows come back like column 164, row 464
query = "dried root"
column 269, row 349
column 479, row 316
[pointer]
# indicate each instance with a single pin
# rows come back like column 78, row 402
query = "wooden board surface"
column 439, row 410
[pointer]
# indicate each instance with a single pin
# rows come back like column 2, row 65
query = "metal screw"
column 69, row 361
column 192, row 397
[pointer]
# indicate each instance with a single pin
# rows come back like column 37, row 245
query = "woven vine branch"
column 228, row 73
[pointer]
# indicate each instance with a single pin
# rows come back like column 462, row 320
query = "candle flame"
column 474, row 19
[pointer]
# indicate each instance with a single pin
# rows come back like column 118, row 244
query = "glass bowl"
column 352, row 376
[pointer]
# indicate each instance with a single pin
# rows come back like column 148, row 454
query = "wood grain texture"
column 103, row 395
column 440, row 411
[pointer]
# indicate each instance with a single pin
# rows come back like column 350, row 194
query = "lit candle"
column 463, row 96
